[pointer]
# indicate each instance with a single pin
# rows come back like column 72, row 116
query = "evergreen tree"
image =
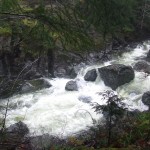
column 110, row 17
column 50, row 27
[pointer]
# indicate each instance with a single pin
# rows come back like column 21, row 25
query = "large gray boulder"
column 34, row 85
column 14, row 136
column 18, row 128
column 11, row 87
column 142, row 66
column 40, row 84
column 116, row 75
column 91, row 75
column 27, row 87
column 146, row 98
column 71, row 86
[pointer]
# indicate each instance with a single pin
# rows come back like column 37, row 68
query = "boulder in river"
column 142, row 66
column 11, row 87
column 85, row 99
column 71, row 86
column 40, row 84
column 146, row 98
column 27, row 87
column 116, row 75
column 91, row 75
column 18, row 128
column 14, row 136
column 33, row 85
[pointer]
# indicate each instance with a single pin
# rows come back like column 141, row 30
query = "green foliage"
column 56, row 26
column 113, row 111
column 142, row 13
column 108, row 16
column 138, row 131
column 114, row 106
column 5, row 31
column 9, row 6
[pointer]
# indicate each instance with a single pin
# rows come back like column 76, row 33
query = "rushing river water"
column 59, row 112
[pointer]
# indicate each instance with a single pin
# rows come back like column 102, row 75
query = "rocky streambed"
column 61, row 106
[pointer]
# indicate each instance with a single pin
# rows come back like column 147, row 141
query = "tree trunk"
column 50, row 56
column 15, row 50
column 4, row 64
column 143, row 13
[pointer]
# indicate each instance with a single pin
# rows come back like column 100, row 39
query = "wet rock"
column 148, row 56
column 94, row 57
column 18, row 128
column 60, row 72
column 9, row 87
column 85, row 99
column 30, row 71
column 77, row 67
column 32, row 74
column 90, row 75
column 133, row 45
column 142, row 66
column 116, row 75
column 27, row 87
column 65, row 64
column 45, row 140
column 71, row 86
column 14, row 136
column 66, row 71
column 39, row 84
column 146, row 98
column 72, row 73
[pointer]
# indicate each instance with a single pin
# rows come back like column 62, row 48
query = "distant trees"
column 109, row 17
column 143, row 13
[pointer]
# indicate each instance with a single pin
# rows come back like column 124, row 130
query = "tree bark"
column 50, row 56
column 4, row 64
column 143, row 13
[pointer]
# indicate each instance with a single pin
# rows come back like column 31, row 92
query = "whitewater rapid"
column 59, row 112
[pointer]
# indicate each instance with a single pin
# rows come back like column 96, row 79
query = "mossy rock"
column 34, row 85
column 39, row 84
column 9, row 88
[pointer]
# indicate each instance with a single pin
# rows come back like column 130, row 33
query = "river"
column 60, row 112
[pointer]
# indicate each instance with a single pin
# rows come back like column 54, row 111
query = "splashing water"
column 59, row 112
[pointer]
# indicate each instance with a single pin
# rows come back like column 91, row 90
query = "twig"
column 7, row 105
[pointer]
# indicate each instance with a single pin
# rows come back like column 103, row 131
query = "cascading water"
column 59, row 112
